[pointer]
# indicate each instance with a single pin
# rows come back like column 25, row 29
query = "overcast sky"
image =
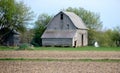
column 109, row 10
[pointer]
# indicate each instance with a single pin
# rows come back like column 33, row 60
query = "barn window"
column 67, row 26
column 61, row 16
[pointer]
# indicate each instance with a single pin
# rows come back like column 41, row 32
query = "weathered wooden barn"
column 65, row 29
column 9, row 37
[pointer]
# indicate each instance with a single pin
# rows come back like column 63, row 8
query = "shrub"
column 25, row 46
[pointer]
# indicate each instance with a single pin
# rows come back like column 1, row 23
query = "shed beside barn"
column 9, row 37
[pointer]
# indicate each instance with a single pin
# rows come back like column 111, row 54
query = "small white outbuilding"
column 96, row 44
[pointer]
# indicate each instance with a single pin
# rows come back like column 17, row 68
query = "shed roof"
column 77, row 21
column 59, row 34
column 8, row 31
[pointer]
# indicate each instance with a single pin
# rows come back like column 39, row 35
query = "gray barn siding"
column 57, row 24
column 58, row 31
column 85, row 37
column 16, row 40
column 57, row 41
column 13, row 40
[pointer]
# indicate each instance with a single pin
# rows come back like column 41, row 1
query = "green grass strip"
column 86, row 48
column 61, row 60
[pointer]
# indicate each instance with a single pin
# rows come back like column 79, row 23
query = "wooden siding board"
column 57, row 41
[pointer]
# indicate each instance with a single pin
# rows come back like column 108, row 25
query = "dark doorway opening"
column 61, row 16
column 75, row 43
column 82, row 39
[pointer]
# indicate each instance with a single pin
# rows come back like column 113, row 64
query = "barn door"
column 82, row 40
column 75, row 43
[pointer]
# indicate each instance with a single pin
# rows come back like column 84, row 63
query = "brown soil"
column 58, row 67
column 60, row 54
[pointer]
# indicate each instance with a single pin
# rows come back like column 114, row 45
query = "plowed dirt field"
column 58, row 66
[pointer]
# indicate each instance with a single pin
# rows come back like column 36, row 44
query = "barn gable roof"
column 77, row 21
column 59, row 34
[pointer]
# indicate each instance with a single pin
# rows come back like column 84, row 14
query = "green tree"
column 109, row 38
column 40, row 26
column 105, row 38
column 27, row 36
column 14, row 16
column 92, row 21
column 116, row 36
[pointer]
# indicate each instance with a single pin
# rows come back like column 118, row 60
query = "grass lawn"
column 2, row 48
column 87, row 48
